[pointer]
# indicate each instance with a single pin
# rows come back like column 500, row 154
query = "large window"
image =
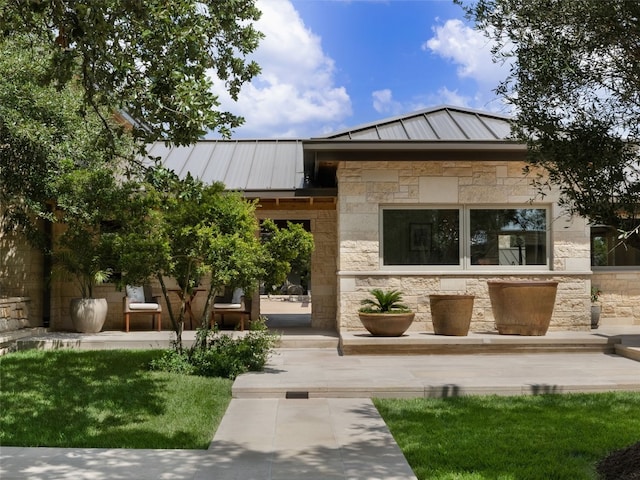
column 421, row 237
column 508, row 236
column 608, row 250
column 488, row 236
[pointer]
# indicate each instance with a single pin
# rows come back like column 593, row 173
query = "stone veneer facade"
column 346, row 264
column 21, row 283
column 365, row 186
column 620, row 298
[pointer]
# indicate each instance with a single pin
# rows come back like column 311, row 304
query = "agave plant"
column 384, row 301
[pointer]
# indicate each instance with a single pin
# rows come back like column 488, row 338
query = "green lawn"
column 68, row 398
column 512, row 438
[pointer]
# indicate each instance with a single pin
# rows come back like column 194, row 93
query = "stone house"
column 431, row 202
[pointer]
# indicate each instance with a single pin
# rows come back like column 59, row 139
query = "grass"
column 109, row 399
column 546, row 437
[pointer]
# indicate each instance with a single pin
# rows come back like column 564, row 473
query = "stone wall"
column 14, row 313
column 620, row 298
column 571, row 311
column 366, row 186
column 21, row 278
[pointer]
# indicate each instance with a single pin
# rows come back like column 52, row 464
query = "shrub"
column 173, row 361
column 219, row 355
column 384, row 301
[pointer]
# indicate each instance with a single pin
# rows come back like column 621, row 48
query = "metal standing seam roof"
column 278, row 165
column 246, row 165
column 444, row 123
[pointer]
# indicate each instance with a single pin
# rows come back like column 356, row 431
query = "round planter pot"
column 595, row 316
column 88, row 314
column 387, row 324
column 451, row 314
column 522, row 307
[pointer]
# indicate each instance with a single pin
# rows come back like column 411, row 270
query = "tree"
column 151, row 59
column 574, row 85
column 201, row 234
column 48, row 149
column 190, row 232
column 286, row 249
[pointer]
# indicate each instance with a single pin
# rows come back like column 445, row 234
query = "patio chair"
column 231, row 304
column 140, row 299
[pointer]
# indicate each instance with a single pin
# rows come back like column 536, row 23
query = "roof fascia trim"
column 437, row 145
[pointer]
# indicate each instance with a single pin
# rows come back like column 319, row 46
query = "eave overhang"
column 315, row 145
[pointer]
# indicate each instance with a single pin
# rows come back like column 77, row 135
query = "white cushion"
column 227, row 305
column 237, row 295
column 143, row 306
column 135, row 293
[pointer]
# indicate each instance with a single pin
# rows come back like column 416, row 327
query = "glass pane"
column 607, row 250
column 421, row 237
column 508, row 236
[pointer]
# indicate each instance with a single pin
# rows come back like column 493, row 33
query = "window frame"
column 548, row 247
column 464, row 248
column 606, row 268
column 418, row 268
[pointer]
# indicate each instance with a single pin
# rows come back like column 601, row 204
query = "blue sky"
column 331, row 64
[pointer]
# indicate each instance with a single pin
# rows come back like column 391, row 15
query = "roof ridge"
column 409, row 115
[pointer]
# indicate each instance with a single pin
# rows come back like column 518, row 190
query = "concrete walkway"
column 335, row 433
column 320, row 439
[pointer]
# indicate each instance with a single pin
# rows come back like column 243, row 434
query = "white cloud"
column 384, row 103
column 295, row 95
column 469, row 49
column 453, row 97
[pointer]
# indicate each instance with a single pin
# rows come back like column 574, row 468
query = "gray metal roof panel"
column 218, row 162
column 392, row 131
column 261, row 165
column 446, row 127
column 473, row 127
column 419, row 129
column 444, row 123
column 500, row 127
column 261, row 170
column 368, row 134
column 197, row 159
column 240, row 165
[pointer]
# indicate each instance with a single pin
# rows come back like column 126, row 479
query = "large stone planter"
column 522, row 307
column 386, row 324
column 451, row 314
column 88, row 314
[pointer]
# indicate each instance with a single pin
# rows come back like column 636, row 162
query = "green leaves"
column 152, row 59
column 575, row 88
column 285, row 249
column 383, row 301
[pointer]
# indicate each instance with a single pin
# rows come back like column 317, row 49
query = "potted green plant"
column 596, row 308
column 91, row 206
column 82, row 256
column 384, row 314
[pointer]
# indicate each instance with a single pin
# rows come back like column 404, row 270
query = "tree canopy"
column 44, row 140
column 574, row 85
column 150, row 59
column 201, row 235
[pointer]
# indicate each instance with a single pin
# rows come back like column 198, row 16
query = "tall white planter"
column 88, row 314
